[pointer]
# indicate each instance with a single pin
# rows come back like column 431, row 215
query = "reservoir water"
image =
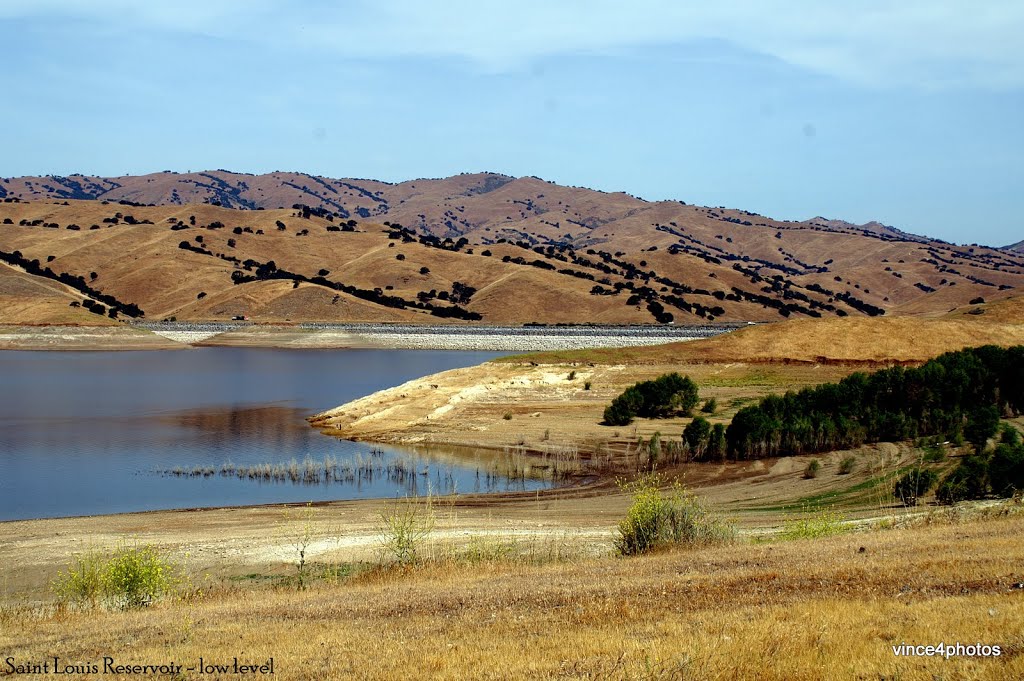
column 85, row 433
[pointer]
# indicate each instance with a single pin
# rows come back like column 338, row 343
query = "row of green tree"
column 960, row 395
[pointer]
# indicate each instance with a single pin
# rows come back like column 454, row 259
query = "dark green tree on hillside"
column 666, row 395
column 697, row 435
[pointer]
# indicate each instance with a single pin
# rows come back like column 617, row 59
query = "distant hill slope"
column 479, row 247
column 25, row 299
column 855, row 340
column 1019, row 247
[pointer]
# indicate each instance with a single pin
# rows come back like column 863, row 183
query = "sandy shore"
column 233, row 541
column 83, row 338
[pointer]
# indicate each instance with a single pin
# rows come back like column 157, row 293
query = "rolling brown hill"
column 26, row 299
column 850, row 341
column 511, row 250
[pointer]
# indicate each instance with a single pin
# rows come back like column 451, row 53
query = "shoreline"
column 324, row 336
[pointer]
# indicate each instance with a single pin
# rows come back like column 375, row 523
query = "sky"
column 910, row 113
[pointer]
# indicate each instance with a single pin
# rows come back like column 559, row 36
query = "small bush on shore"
column 132, row 577
column 656, row 519
column 847, row 465
column 82, row 583
column 812, row 469
column 404, row 529
column 814, row 525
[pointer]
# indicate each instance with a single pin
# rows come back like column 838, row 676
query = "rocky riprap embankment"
column 494, row 338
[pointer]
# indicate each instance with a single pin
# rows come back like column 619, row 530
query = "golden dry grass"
column 25, row 299
column 850, row 340
column 1009, row 310
column 825, row 609
column 142, row 264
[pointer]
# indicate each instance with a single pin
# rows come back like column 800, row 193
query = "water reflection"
column 119, row 424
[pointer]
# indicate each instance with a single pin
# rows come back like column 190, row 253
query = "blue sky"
column 911, row 113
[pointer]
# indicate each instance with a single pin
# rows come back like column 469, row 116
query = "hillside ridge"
column 355, row 197
column 482, row 248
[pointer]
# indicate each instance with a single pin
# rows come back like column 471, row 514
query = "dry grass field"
column 804, row 609
column 849, row 341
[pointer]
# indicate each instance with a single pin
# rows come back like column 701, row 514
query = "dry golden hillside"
column 25, row 299
column 853, row 340
column 506, row 250
column 1010, row 310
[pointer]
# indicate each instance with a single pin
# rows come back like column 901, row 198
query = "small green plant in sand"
column 300, row 528
column 405, row 526
column 660, row 518
column 814, row 524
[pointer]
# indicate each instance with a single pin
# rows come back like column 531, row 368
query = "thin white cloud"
column 914, row 43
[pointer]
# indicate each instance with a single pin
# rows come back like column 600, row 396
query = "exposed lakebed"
column 85, row 433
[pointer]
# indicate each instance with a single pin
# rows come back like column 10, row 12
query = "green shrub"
column 847, row 465
column 969, row 480
column 586, row 385
column 653, row 447
column 404, row 529
column 132, row 577
column 934, row 454
column 571, row 376
column 814, row 525
column 710, row 406
column 811, row 471
column 507, row 416
column 138, row 575
column 623, row 408
column 914, row 484
column 656, row 519
column 664, row 396
column 82, row 582
column 1006, row 469
column 697, row 434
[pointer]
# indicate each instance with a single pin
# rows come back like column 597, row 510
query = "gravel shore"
column 494, row 338
column 171, row 335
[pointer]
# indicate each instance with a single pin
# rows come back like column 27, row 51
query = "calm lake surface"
column 85, row 433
